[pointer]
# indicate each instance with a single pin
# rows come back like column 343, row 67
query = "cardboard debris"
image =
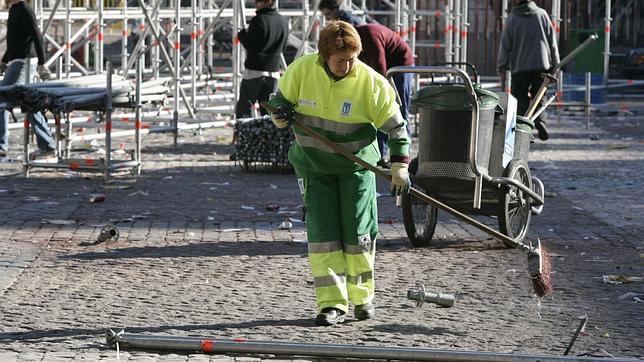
column 58, row 222
column 619, row 279
column 623, row 278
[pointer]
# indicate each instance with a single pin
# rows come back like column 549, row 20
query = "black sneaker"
column 542, row 130
column 329, row 317
column 365, row 311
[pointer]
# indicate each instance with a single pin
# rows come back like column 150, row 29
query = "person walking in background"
column 346, row 101
column 528, row 48
column 19, row 63
column 383, row 49
column 333, row 10
column 264, row 41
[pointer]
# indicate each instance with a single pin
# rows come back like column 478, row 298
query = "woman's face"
column 341, row 63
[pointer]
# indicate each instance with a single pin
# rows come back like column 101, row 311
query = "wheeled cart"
column 472, row 156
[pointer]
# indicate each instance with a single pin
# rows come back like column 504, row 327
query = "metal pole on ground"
column 281, row 348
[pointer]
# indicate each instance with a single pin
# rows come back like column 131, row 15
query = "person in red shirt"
column 383, row 49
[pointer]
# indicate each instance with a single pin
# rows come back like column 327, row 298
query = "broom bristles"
column 542, row 281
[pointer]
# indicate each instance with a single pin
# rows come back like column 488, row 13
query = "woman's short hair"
column 338, row 37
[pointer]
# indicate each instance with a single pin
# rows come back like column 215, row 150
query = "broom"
column 538, row 258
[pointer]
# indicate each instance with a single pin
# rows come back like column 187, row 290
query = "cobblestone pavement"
column 199, row 255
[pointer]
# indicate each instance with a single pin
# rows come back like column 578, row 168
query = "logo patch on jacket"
column 346, row 109
column 306, row 102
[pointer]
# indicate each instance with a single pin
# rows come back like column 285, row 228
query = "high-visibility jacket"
column 346, row 111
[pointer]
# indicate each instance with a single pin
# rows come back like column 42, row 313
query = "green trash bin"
column 445, row 118
column 523, row 137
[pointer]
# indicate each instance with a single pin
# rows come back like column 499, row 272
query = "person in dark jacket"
column 264, row 41
column 383, row 49
column 528, row 48
column 333, row 10
column 19, row 64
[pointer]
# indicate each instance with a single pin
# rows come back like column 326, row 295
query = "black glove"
column 283, row 116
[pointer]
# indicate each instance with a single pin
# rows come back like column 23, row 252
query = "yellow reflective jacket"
column 346, row 111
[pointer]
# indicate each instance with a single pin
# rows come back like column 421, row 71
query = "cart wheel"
column 537, row 186
column 514, row 205
column 419, row 217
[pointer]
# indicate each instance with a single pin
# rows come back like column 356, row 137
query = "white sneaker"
column 39, row 154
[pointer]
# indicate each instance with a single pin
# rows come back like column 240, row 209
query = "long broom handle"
column 547, row 80
column 414, row 192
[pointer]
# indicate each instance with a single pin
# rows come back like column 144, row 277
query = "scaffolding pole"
column 607, row 22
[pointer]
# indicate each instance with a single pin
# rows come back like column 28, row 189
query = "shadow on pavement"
column 91, row 333
column 196, row 250
column 415, row 329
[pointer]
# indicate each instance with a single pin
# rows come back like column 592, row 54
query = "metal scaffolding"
column 195, row 45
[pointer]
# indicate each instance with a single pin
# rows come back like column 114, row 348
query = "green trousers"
column 342, row 225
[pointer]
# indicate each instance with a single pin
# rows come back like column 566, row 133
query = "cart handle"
column 467, row 65
column 474, row 130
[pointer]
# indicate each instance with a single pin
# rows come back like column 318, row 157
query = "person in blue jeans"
column 16, row 73
column 24, row 57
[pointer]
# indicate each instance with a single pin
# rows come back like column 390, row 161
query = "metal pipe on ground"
column 242, row 346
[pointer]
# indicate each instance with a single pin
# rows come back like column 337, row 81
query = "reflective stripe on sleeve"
column 394, row 121
column 398, row 133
